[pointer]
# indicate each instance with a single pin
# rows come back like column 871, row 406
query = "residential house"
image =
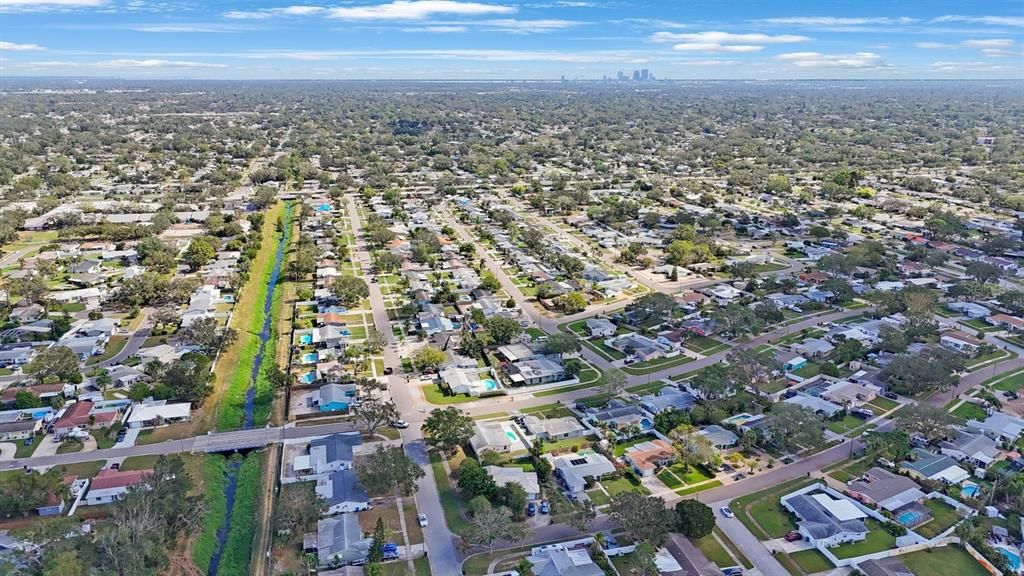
column 618, row 417
column 790, row 361
column 977, row 450
column 824, row 520
column 934, row 467
column 961, row 342
column 202, row 304
column 884, row 567
column 111, row 485
column 328, row 454
column 559, row 561
column 882, row 488
column 574, row 469
column 340, row 541
column 19, row 429
column 553, row 429
column 514, row 474
column 335, row 397
column 646, row 457
column 815, row 404
column 496, row 436
column 999, row 425
column 970, row 309
column 719, row 437
column 342, row 493
column 14, row 357
column 81, row 415
column 813, row 348
column 1011, row 323
column 846, row 393
column 541, row 370
column 469, row 381
column 151, row 414
column 638, row 346
column 600, row 328
column 668, row 398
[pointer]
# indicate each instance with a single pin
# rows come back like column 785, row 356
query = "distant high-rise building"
column 636, row 75
column 645, row 75
column 621, row 76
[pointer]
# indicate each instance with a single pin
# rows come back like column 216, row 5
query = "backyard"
column 945, row 561
column 877, row 541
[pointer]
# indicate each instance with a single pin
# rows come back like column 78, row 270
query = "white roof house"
column 507, row 475
column 496, row 436
column 157, row 413
column 574, row 469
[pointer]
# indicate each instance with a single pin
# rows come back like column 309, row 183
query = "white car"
column 727, row 512
column 400, row 424
column 422, row 519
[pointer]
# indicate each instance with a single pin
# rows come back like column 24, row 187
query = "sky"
column 513, row 39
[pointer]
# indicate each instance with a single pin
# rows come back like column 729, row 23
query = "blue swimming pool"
column 345, row 332
column 308, row 378
column 323, row 208
column 511, row 435
column 305, row 339
column 908, row 518
column 646, row 424
column 969, row 490
column 310, row 358
column 490, row 384
column 1012, row 557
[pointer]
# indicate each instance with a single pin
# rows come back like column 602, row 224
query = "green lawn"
column 451, row 502
column 84, row 469
column 767, row 518
column 692, row 475
column 968, row 411
column 139, row 462
column 883, row 404
column 986, row 360
column 699, row 488
column 620, row 485
column 714, row 550
column 115, row 345
column 949, row 560
column 434, row 395
column 845, row 425
column 104, row 438
column 976, row 325
column 811, row 561
column 655, row 365
column 877, row 541
column 706, row 346
column 1010, row 381
column 598, row 497
column 669, row 479
column 943, row 516
column 570, row 444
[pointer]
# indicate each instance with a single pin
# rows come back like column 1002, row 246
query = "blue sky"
column 496, row 39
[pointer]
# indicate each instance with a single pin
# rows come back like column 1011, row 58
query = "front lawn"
column 434, row 395
column 713, row 550
column 1007, row 382
column 878, row 540
column 845, row 425
column 699, row 487
column 986, row 360
column 657, row 364
column 114, row 345
column 811, row 561
column 969, row 411
column 627, row 483
column 883, row 404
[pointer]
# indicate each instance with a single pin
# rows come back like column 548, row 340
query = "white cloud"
column 711, row 47
column 154, row 63
column 934, row 45
column 272, row 12
column 836, row 21
column 727, row 38
column 49, row 4
column 120, row 64
column 1001, row 52
column 819, row 60
column 186, row 28
column 967, row 67
column 988, row 43
column 437, row 29
column 416, row 10
column 15, row 47
column 512, row 25
column 1017, row 21
column 611, row 56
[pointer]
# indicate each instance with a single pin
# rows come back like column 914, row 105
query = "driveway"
column 7, row 450
column 47, row 447
column 755, row 551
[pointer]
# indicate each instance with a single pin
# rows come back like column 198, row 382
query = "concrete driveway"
column 7, row 450
column 47, row 447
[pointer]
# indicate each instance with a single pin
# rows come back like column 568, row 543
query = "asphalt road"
column 440, row 546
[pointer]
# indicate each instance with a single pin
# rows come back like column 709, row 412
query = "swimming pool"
column 646, row 424
column 308, row 378
column 310, row 358
column 305, row 338
column 1012, row 557
column 345, row 332
column 908, row 518
column 969, row 490
column 511, row 436
column 323, row 208
column 490, row 384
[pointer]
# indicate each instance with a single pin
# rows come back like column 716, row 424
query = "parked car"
column 390, row 551
column 399, row 424
column 727, row 512
column 732, row 571
column 545, row 507
column 388, row 371
column 29, row 440
column 531, row 509
column 862, row 413
column 793, row 536
column 890, row 395
column 422, row 519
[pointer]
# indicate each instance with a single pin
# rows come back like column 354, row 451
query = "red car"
column 793, row 536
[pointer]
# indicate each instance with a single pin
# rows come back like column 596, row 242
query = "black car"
column 891, row 395
column 29, row 440
column 388, row 371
